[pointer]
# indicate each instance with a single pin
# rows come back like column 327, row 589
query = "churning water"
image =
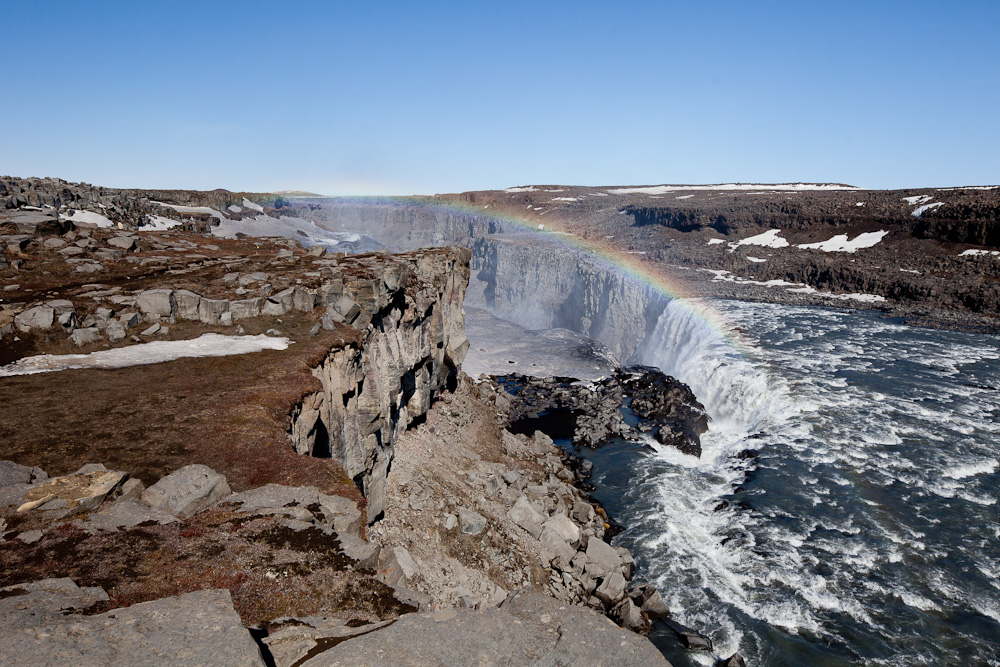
column 864, row 531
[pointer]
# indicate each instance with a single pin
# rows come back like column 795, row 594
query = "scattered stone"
column 86, row 336
column 471, row 523
column 187, row 491
column 151, row 330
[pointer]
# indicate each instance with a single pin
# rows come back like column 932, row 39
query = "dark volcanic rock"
column 592, row 413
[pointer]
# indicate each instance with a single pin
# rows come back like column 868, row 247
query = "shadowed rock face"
column 409, row 354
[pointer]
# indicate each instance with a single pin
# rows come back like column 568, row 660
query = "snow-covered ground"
column 206, row 345
column 972, row 252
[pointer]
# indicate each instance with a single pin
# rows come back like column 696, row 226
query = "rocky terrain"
column 275, row 443
column 277, row 431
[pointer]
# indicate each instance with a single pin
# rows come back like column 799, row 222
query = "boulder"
column 187, row 304
column 187, row 491
column 157, row 303
column 601, row 558
column 471, row 523
column 735, row 660
column 14, row 473
column 583, row 512
column 629, row 616
column 556, row 544
column 564, row 527
column 612, row 589
column 245, row 308
column 529, row 628
column 301, row 502
column 126, row 243
column 524, row 515
column 650, row 601
column 115, row 331
column 210, row 311
column 86, row 336
column 691, row 639
column 39, row 317
column 303, row 299
column 278, row 304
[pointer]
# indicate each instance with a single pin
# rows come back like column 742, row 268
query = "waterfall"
column 737, row 393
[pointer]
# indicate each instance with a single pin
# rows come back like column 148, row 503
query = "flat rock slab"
column 529, row 629
column 72, row 494
column 125, row 514
column 199, row 628
column 301, row 502
column 39, row 603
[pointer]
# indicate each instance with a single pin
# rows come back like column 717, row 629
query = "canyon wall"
column 410, row 352
column 519, row 278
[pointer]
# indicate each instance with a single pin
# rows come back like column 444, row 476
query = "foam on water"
column 859, row 534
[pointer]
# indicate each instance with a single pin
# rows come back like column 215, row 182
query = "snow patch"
column 756, row 259
column 87, row 217
column 206, row 345
column 565, row 198
column 972, row 252
column 193, row 209
column 917, row 199
column 234, row 208
column 839, row 243
column 715, row 241
column 255, row 207
column 526, row 188
column 769, row 239
column 159, row 224
column 684, row 197
column 926, row 207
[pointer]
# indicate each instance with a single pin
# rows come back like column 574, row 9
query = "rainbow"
column 630, row 266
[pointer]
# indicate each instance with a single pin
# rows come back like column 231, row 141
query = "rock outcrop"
column 530, row 628
column 41, row 624
column 413, row 344
column 591, row 412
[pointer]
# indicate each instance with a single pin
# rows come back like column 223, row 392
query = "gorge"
column 848, row 456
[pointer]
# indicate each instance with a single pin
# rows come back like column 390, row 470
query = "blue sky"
column 418, row 98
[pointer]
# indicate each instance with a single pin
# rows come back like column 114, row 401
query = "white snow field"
column 206, row 345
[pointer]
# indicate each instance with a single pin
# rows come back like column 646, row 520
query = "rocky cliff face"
column 409, row 354
column 544, row 286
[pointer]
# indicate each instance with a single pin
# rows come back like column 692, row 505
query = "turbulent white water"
column 867, row 529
